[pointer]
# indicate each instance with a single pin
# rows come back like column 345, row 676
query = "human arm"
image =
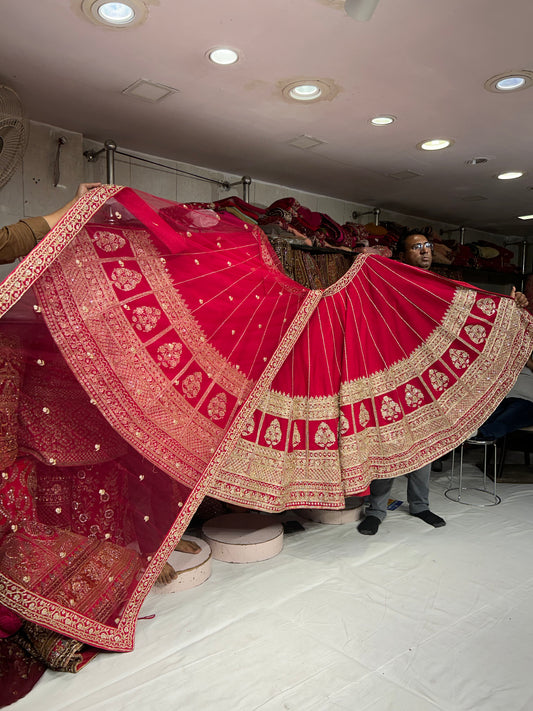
column 19, row 239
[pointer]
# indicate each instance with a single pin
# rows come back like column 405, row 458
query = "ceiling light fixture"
column 118, row 15
column 309, row 90
column 360, row 10
column 510, row 82
column 305, row 92
column 510, row 175
column 223, row 55
column 525, row 217
column 384, row 120
column 434, row 144
column 476, row 161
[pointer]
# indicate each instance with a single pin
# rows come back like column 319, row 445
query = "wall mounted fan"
column 13, row 133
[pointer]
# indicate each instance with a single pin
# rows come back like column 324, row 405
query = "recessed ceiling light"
column 510, row 81
column 525, row 217
column 223, row 55
column 384, row 120
column 434, row 144
column 309, row 90
column 129, row 13
column 305, row 92
column 510, row 175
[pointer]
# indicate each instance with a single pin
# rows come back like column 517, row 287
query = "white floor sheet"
column 412, row 619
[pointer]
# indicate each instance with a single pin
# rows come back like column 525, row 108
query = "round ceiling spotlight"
column 383, row 120
column 434, row 144
column 309, row 90
column 510, row 81
column 129, row 13
column 510, row 175
column 223, row 55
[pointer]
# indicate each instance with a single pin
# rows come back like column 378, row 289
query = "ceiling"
column 423, row 61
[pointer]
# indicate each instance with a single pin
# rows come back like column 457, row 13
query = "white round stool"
column 352, row 512
column 193, row 568
column 243, row 538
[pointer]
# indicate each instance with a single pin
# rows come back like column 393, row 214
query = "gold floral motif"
column 145, row 318
column 296, row 439
column 109, row 241
column 390, row 410
column 249, row 427
column 460, row 359
column 476, row 333
column 217, row 406
column 413, row 395
column 125, row 279
column 344, row 424
column 364, row 417
column 438, row 379
column 324, row 436
column 169, row 354
column 487, row 306
column 192, row 384
column 273, row 433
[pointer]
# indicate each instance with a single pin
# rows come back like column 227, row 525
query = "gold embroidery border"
column 50, row 247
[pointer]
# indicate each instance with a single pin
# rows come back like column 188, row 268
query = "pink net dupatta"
column 155, row 353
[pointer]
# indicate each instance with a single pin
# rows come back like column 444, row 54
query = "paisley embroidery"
column 145, row 318
column 109, row 241
column 439, row 380
column 324, row 436
column 169, row 354
column 125, row 279
column 296, row 439
column 487, row 306
column 413, row 396
column 344, row 424
column 364, row 417
column 191, row 385
column 460, row 359
column 476, row 333
column 217, row 406
column 390, row 410
column 273, row 433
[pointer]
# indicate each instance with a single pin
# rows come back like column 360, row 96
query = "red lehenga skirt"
column 152, row 354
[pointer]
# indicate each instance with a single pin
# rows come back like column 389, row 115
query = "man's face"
column 417, row 252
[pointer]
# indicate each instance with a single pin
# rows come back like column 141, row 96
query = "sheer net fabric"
column 155, row 354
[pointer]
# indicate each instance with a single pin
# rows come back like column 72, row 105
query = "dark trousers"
column 510, row 415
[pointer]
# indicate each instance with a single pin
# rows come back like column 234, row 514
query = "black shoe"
column 369, row 526
column 431, row 518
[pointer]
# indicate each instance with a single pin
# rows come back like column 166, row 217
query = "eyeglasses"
column 421, row 245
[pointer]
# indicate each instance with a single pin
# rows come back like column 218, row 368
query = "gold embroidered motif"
column 249, row 428
column 438, row 379
column 324, row 435
column 487, row 306
column 145, row 318
column 413, row 396
column 217, row 406
column 273, row 433
column 191, row 385
column 344, row 424
column 169, row 354
column 390, row 410
column 364, row 417
column 296, row 439
column 109, row 241
column 476, row 333
column 125, row 279
column 460, row 359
